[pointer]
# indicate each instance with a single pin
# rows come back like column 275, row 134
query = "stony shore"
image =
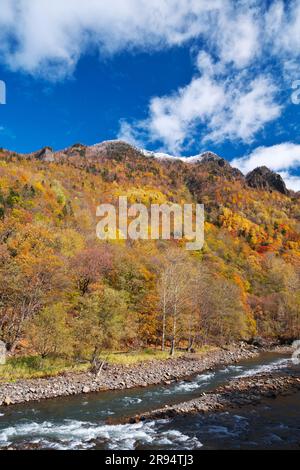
column 117, row 377
column 236, row 394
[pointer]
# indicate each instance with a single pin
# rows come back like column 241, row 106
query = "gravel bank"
column 116, row 377
column 237, row 393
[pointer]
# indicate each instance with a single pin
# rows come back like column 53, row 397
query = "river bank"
column 118, row 377
column 240, row 392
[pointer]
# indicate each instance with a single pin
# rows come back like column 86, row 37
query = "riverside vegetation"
column 69, row 301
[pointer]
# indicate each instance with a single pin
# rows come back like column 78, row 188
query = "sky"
column 174, row 76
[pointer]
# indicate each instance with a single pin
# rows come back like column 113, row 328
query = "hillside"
column 64, row 292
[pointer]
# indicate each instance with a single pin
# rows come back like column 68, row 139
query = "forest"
column 65, row 294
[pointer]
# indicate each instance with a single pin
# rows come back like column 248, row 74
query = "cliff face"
column 263, row 178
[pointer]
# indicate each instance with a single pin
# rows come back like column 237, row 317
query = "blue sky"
column 88, row 106
column 177, row 76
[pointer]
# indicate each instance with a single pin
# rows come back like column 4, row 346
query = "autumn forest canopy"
column 65, row 293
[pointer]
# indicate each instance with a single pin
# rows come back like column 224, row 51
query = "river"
column 79, row 422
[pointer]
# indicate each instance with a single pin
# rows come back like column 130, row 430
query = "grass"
column 29, row 367
column 205, row 349
column 139, row 356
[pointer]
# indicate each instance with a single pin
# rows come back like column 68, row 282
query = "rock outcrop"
column 266, row 179
column 46, row 155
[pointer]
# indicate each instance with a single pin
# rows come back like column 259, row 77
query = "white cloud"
column 49, row 37
column 226, row 109
column 281, row 158
column 291, row 181
column 172, row 118
column 276, row 157
column 282, row 26
column 128, row 134
column 229, row 97
column 247, row 110
column 242, row 37
column 205, row 63
column 237, row 35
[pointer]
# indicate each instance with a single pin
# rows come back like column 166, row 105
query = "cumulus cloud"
column 235, row 92
column 276, row 157
column 247, row 109
column 282, row 158
column 227, row 109
column 172, row 118
column 282, row 24
column 49, row 37
column 129, row 134
column 291, row 181
column 237, row 34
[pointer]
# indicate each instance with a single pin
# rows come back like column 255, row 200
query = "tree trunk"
column 190, row 345
column 172, row 350
column 100, row 369
column 11, row 346
column 164, row 324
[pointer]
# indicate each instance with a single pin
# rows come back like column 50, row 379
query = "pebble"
column 117, row 377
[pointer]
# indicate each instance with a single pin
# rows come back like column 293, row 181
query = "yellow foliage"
column 70, row 242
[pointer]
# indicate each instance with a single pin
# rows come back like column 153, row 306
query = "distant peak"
column 209, row 157
column 107, row 145
column 266, row 179
column 45, row 154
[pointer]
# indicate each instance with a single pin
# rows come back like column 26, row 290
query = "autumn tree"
column 49, row 332
column 174, row 293
column 100, row 325
column 27, row 284
column 89, row 265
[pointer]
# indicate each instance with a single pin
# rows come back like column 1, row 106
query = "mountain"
column 263, row 178
column 204, row 166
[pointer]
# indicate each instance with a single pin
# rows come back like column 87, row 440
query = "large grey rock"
column 46, row 155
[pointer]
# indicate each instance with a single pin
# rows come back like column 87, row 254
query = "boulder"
column 7, row 401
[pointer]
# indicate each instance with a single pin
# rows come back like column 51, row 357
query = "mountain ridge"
column 260, row 177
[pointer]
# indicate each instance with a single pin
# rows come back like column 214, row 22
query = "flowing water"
column 79, row 422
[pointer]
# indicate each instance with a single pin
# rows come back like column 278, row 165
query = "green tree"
column 99, row 325
column 49, row 332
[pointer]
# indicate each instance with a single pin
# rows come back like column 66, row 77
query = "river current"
column 79, row 422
